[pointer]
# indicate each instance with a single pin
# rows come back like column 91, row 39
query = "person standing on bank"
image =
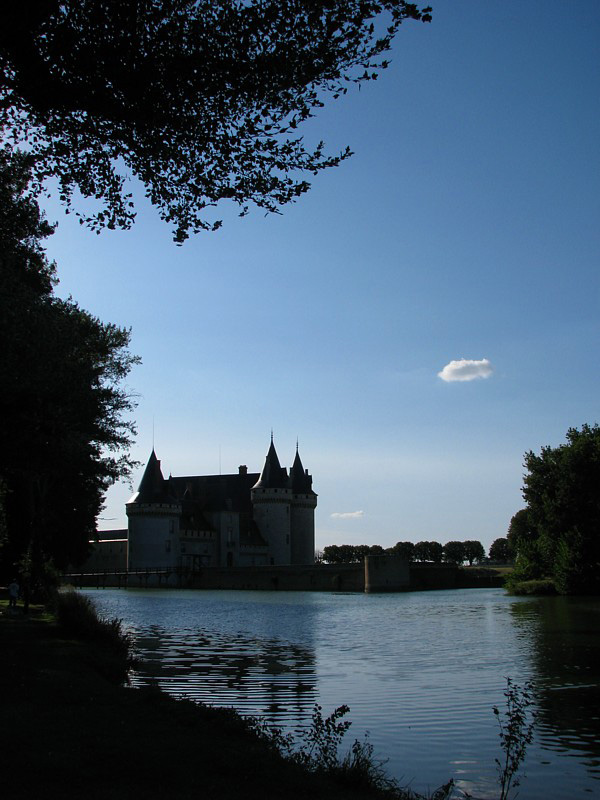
column 13, row 594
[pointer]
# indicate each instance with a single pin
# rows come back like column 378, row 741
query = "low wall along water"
column 376, row 574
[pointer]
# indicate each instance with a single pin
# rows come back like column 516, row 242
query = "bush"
column 533, row 587
column 317, row 751
column 78, row 618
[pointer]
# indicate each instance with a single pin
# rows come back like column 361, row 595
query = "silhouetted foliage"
column 404, row 549
column 516, row 726
column 454, row 552
column 78, row 618
column 429, row 551
column 500, row 551
column 349, row 553
column 520, row 531
column 473, row 551
column 200, row 100
column 64, row 412
column 560, row 534
column 317, row 748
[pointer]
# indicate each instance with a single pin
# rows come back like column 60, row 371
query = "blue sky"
column 466, row 226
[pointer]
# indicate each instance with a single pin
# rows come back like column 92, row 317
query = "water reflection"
column 270, row 677
column 566, row 659
column 420, row 670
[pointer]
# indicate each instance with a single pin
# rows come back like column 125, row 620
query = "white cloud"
column 348, row 514
column 466, row 369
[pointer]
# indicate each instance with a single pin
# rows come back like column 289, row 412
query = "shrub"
column 541, row 586
column 318, row 751
column 77, row 617
column 516, row 733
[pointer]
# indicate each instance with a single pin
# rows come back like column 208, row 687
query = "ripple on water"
column 421, row 671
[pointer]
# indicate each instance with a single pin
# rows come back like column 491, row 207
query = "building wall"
column 153, row 537
column 228, row 525
column 302, row 513
column 272, row 515
column 107, row 555
column 386, row 573
column 198, row 549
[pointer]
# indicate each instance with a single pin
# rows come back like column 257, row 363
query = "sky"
column 425, row 315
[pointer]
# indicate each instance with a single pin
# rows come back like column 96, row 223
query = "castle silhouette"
column 241, row 519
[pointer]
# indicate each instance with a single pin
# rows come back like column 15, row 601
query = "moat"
column 420, row 671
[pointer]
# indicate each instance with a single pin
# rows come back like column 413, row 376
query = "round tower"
column 271, row 497
column 302, row 514
column 153, row 522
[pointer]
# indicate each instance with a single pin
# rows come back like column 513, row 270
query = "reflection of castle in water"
column 258, row 676
column 566, row 660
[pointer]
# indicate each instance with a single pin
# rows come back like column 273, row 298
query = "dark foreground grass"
column 69, row 730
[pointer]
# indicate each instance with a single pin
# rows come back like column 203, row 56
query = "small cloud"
column 466, row 369
column 347, row 514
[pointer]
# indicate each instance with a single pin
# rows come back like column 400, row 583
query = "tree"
column 563, row 512
column 349, row 553
column 473, row 551
column 521, row 534
column 454, row 552
column 360, row 551
column 428, row 551
column 404, row 549
column 65, row 429
column 201, row 100
column 500, row 551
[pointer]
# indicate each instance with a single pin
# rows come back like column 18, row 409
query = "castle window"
column 171, row 525
column 167, row 546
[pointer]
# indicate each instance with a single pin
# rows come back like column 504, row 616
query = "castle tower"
column 302, row 514
column 153, row 521
column 271, row 498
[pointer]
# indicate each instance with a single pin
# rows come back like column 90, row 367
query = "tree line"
column 453, row 552
column 66, row 426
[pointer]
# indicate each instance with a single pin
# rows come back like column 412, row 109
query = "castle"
column 243, row 519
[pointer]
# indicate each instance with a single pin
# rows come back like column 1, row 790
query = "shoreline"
column 70, row 727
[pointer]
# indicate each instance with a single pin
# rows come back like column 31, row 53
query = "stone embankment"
column 377, row 574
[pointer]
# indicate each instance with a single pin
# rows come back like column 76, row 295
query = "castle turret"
column 302, row 514
column 153, row 521
column 271, row 497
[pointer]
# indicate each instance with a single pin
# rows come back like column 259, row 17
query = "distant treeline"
column 453, row 552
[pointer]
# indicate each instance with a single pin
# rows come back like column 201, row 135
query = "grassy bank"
column 71, row 729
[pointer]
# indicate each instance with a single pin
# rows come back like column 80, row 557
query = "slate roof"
column 300, row 480
column 200, row 494
column 152, row 488
column 273, row 475
column 211, row 493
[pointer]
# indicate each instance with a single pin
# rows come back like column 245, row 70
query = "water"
column 420, row 671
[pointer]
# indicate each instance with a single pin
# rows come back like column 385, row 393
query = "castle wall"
column 302, row 529
column 386, row 573
column 228, row 526
column 272, row 515
column 107, row 555
column 153, row 537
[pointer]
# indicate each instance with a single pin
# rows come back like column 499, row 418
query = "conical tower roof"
column 300, row 480
column 152, row 485
column 273, row 475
